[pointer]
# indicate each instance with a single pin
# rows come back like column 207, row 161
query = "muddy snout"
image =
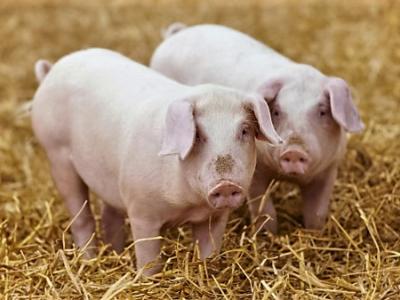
column 226, row 194
column 294, row 161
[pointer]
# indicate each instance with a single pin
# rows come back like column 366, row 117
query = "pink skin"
column 42, row 67
column 294, row 161
column 91, row 126
column 311, row 111
column 191, row 132
column 226, row 194
column 315, row 143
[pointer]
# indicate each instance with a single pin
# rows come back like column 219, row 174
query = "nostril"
column 226, row 194
column 294, row 162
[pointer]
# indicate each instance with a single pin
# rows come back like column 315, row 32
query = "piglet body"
column 310, row 111
column 149, row 147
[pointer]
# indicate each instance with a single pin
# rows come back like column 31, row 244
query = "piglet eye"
column 275, row 112
column 322, row 113
column 245, row 132
column 199, row 137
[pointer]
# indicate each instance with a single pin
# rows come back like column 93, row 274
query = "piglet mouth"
column 226, row 194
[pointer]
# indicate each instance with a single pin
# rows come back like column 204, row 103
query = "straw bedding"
column 356, row 256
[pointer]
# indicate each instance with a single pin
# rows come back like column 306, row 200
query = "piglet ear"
column 261, row 111
column 270, row 89
column 180, row 130
column 343, row 109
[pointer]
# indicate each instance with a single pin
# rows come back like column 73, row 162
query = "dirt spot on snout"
column 296, row 140
column 224, row 164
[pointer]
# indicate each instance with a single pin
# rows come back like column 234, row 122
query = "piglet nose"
column 226, row 195
column 294, row 162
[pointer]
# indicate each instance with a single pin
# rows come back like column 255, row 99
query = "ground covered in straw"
column 356, row 256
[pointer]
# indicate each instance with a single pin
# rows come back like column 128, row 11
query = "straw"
column 355, row 256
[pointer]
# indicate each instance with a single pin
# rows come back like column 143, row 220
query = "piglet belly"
column 102, row 181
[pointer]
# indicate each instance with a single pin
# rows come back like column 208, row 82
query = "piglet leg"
column 316, row 197
column 74, row 192
column 210, row 233
column 147, row 244
column 263, row 214
column 113, row 227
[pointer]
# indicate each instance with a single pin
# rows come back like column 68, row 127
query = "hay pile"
column 357, row 254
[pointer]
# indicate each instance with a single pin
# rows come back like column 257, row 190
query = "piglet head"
column 214, row 133
column 310, row 112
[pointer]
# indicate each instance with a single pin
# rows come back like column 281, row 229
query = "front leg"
column 210, row 233
column 113, row 227
column 147, row 244
column 262, row 213
column 316, row 197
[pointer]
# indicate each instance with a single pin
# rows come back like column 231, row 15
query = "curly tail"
column 42, row 68
column 172, row 29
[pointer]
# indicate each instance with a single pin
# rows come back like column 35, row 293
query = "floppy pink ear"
column 343, row 109
column 270, row 89
column 180, row 130
column 263, row 116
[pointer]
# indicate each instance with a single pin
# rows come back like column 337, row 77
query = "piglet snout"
column 226, row 195
column 294, row 161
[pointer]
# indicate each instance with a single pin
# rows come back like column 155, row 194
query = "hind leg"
column 74, row 192
column 113, row 227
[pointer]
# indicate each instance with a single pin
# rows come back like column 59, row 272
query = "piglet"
column 310, row 111
column 161, row 152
